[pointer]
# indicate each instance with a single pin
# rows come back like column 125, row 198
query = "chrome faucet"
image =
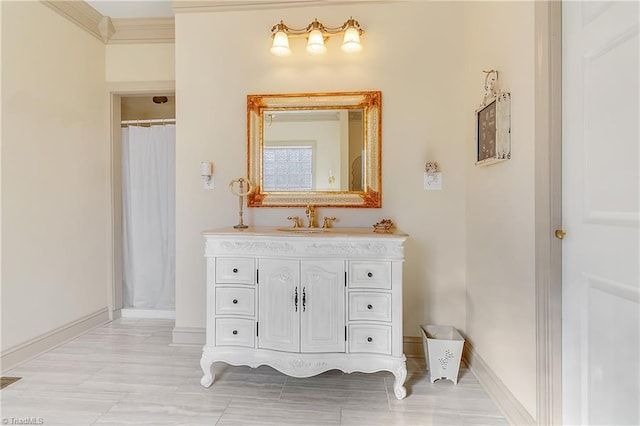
column 310, row 212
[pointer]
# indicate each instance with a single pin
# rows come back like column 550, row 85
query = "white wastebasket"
column 442, row 350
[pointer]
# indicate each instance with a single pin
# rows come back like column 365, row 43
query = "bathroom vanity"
column 305, row 301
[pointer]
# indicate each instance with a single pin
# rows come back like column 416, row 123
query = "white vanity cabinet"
column 304, row 301
column 301, row 305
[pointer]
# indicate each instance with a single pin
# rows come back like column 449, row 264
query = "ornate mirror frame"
column 371, row 104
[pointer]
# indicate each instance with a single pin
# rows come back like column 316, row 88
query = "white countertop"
column 284, row 231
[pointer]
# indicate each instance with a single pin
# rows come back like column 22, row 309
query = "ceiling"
column 133, row 9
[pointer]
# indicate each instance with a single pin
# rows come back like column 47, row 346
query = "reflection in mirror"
column 312, row 150
column 321, row 149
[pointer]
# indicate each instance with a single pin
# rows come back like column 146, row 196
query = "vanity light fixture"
column 316, row 34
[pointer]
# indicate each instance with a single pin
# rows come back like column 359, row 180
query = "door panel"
column 279, row 315
column 601, row 290
column 323, row 315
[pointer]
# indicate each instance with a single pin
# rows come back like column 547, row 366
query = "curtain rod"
column 152, row 121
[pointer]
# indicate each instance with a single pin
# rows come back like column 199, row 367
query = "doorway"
column 143, row 202
column 148, row 206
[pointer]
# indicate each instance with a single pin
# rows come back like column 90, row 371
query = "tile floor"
column 125, row 373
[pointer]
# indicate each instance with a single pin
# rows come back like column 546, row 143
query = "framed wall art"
column 493, row 124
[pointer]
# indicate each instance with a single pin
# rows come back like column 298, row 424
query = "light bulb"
column 351, row 40
column 280, row 46
column 315, row 45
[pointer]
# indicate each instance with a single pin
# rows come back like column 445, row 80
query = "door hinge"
column 345, row 278
column 257, row 276
column 345, row 333
column 257, row 324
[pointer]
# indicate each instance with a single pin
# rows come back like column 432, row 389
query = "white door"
column 601, row 296
column 322, row 320
column 279, row 305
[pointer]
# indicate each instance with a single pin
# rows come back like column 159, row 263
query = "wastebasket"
column 442, row 350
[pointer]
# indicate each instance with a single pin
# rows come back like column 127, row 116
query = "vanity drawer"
column 368, row 274
column 235, row 332
column 369, row 306
column 369, row 338
column 235, row 301
column 235, row 270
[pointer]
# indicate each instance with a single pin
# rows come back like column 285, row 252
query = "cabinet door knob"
column 235, row 270
column 235, row 331
column 235, row 301
column 370, row 274
column 369, row 339
column 369, row 307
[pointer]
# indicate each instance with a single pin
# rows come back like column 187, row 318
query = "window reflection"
column 287, row 168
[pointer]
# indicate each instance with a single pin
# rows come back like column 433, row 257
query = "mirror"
column 320, row 149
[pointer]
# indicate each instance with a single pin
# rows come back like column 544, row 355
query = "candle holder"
column 240, row 192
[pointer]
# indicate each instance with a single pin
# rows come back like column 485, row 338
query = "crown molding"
column 78, row 12
column 114, row 31
column 198, row 6
column 143, row 30
column 162, row 30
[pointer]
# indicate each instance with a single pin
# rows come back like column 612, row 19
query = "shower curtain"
column 148, row 180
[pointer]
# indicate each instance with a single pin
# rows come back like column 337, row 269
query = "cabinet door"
column 279, row 305
column 322, row 320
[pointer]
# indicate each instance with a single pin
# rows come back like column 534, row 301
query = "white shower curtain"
column 148, row 174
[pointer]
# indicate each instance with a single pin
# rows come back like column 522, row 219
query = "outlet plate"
column 433, row 181
column 208, row 184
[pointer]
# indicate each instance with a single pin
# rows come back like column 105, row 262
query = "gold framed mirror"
column 315, row 148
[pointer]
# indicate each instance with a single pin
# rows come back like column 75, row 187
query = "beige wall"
column 500, row 277
column 54, row 173
column 413, row 53
column 140, row 62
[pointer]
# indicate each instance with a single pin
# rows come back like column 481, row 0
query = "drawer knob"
column 235, row 270
column 369, row 307
column 370, row 274
column 235, row 331
column 235, row 301
column 369, row 339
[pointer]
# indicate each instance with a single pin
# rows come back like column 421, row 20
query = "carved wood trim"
column 369, row 101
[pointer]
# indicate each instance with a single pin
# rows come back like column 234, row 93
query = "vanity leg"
column 398, row 386
column 205, row 364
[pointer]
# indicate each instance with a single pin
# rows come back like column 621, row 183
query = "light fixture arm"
column 315, row 24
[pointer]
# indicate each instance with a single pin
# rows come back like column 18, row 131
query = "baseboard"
column 23, row 352
column 188, row 336
column 412, row 347
column 147, row 313
column 512, row 409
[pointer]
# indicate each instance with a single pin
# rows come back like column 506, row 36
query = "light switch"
column 433, row 181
